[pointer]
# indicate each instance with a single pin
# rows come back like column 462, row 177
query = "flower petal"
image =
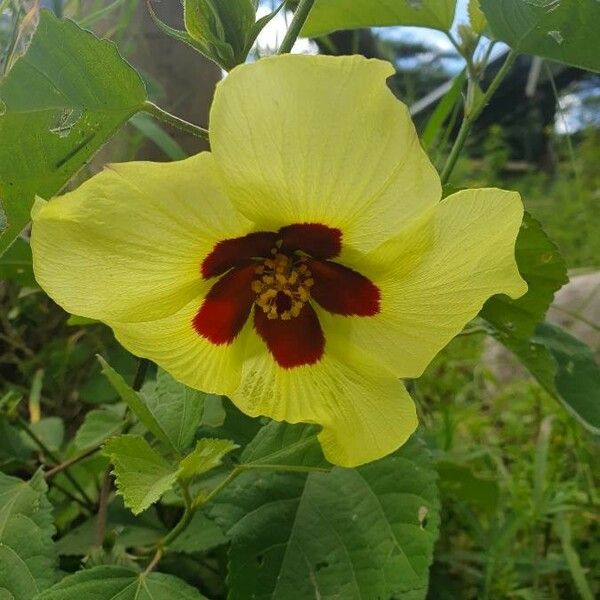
column 442, row 273
column 315, row 239
column 342, row 291
column 127, row 245
column 365, row 412
column 292, row 343
column 234, row 252
column 174, row 344
column 227, row 306
column 321, row 139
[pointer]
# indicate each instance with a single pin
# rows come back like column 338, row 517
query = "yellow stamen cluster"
column 282, row 275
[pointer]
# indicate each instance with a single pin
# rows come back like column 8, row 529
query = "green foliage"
column 207, row 455
column 143, row 475
column 27, row 554
column 99, row 425
column 106, row 582
column 545, row 272
column 222, row 30
column 177, row 409
column 566, row 369
column 283, row 444
column 51, row 125
column 137, row 405
column 331, row 15
column 359, row 533
column 557, row 29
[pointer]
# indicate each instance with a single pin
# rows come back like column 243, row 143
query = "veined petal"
column 364, row 411
column 128, row 244
column 443, row 271
column 321, row 139
column 174, row 344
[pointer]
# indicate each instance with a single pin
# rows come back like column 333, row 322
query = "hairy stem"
column 472, row 115
column 175, row 121
column 69, row 463
column 300, row 16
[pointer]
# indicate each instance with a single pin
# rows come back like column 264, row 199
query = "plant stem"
column 300, row 16
column 177, row 122
column 471, row 116
column 68, row 463
column 40, row 444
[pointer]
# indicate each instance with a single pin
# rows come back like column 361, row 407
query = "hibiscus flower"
column 303, row 267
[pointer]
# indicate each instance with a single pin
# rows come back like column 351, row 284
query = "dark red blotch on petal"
column 315, row 239
column 227, row 306
column 233, row 252
column 342, row 291
column 299, row 341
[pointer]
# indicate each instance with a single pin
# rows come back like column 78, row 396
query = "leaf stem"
column 68, row 463
column 471, row 116
column 300, row 16
column 175, row 121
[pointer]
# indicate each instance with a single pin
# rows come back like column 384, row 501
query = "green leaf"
column 201, row 535
column 99, row 425
column 207, row 455
column 545, row 272
column 15, row 264
column 351, row 533
column 60, row 102
column 128, row 531
column 283, row 444
column 176, row 408
column 460, row 482
column 27, row 553
column 143, row 475
column 565, row 368
column 50, row 430
column 135, row 403
column 562, row 30
column 331, row 15
column 107, row 583
column 442, row 111
column 476, row 17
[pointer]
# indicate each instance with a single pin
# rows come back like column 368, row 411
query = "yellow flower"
column 302, row 267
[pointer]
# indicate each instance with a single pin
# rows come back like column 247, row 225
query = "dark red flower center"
column 280, row 274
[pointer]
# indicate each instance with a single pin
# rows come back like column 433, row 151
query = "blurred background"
column 519, row 477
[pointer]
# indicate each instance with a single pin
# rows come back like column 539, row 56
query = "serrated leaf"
column 565, row 368
column 284, row 444
column 27, row 554
column 207, row 455
column 107, row 583
column 545, row 272
column 98, row 425
column 356, row 534
column 561, row 30
column 176, row 408
column 476, row 17
column 332, row 15
column 142, row 474
column 60, row 102
column 135, row 403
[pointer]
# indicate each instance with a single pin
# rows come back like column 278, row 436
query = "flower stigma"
column 282, row 286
